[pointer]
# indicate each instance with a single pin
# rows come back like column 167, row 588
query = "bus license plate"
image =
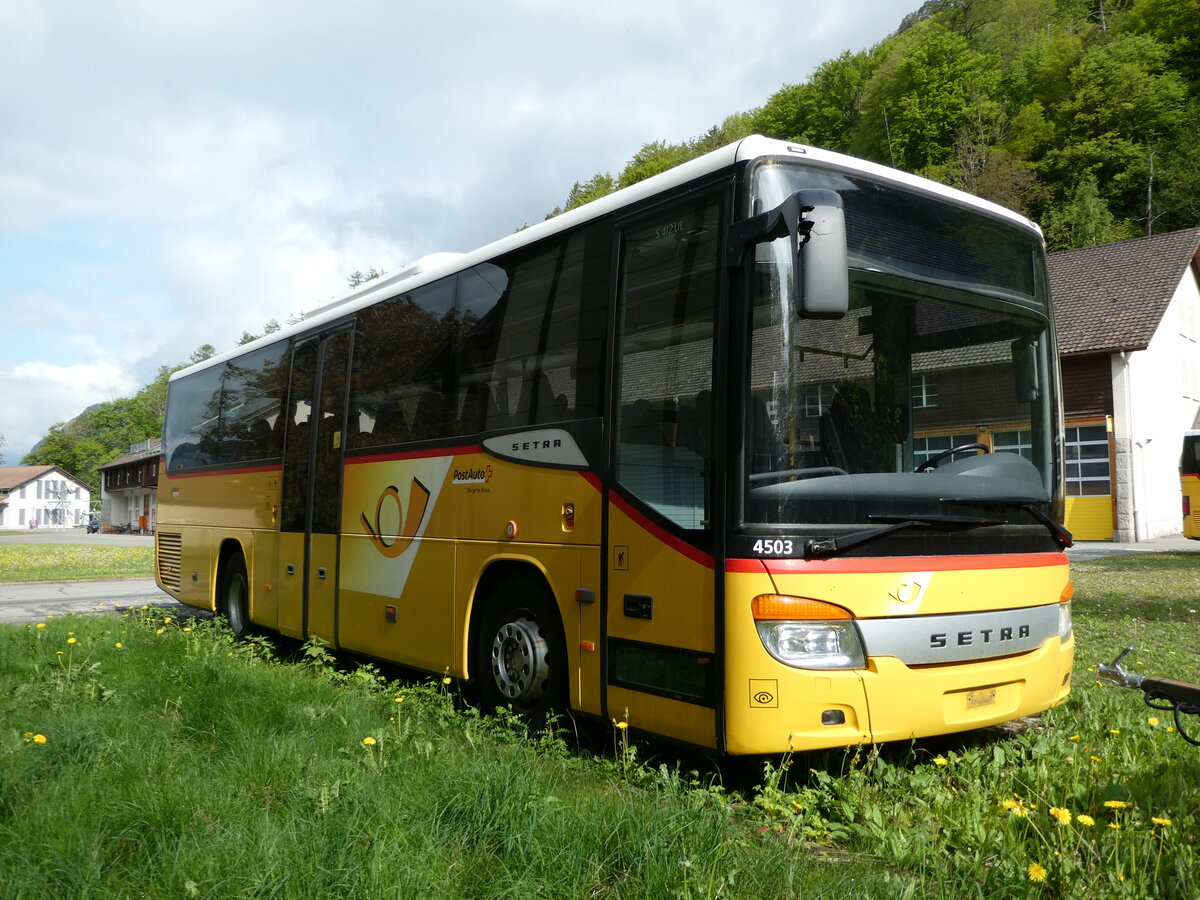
column 976, row 699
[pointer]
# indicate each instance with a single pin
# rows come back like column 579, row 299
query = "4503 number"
column 777, row 547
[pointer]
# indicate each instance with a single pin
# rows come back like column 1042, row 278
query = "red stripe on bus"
column 661, row 534
column 431, row 453
column 894, row 564
column 247, row 470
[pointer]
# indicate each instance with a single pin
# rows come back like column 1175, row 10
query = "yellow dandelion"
column 369, row 741
column 1116, row 804
column 41, row 624
column 1160, row 821
column 1096, row 759
column 72, row 640
column 1073, row 737
column 1115, row 826
column 1037, row 872
column 398, row 700
column 941, row 761
column 143, row 606
column 1085, row 819
column 1170, row 729
column 160, row 631
column 119, row 645
column 621, row 725
column 1152, row 721
column 1062, row 815
column 187, row 629
column 446, row 680
column 1020, row 812
column 1009, row 804
column 27, row 736
column 59, row 652
column 1114, row 731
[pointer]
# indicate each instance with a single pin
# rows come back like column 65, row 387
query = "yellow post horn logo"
column 393, row 546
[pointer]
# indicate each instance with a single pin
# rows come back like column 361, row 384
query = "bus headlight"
column 807, row 634
column 1064, row 614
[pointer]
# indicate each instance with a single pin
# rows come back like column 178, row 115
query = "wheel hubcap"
column 520, row 660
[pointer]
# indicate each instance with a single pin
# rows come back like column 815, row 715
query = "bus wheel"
column 233, row 594
column 521, row 655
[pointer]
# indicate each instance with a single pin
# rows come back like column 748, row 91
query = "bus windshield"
column 933, row 399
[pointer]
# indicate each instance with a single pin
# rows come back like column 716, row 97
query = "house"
column 1128, row 318
column 129, row 489
column 42, row 497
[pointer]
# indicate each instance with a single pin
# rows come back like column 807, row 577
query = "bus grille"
column 170, row 560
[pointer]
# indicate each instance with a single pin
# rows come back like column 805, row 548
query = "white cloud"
column 176, row 174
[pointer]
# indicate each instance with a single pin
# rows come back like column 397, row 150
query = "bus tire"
column 521, row 655
column 233, row 594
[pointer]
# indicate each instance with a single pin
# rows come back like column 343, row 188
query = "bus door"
column 661, row 657
column 312, row 481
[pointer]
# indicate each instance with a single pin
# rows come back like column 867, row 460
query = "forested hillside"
column 1082, row 114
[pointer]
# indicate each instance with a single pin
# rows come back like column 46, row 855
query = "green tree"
column 79, row 457
column 358, row 278
column 1085, row 220
column 597, row 186
column 922, row 96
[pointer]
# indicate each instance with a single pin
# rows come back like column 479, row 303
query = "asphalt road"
column 30, row 601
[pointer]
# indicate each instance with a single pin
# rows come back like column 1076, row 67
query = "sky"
column 177, row 174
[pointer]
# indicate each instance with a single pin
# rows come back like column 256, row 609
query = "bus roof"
column 433, row 266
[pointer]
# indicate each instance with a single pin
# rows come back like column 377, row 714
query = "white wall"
column 1163, row 398
column 44, row 511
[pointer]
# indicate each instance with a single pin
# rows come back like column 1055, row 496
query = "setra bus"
column 1189, row 483
column 762, row 453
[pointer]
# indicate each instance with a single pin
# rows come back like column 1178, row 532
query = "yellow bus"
column 664, row 459
column 1189, row 483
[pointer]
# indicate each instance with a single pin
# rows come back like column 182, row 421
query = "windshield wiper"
column 821, row 548
column 1062, row 537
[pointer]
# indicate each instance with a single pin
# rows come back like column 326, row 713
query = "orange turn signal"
column 781, row 607
column 1067, row 593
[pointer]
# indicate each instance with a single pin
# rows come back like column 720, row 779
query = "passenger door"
column 662, row 667
column 312, row 481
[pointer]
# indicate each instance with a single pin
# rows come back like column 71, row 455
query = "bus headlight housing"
column 808, row 634
column 1065, row 625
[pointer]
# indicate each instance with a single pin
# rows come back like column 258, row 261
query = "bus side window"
column 533, row 353
column 402, row 349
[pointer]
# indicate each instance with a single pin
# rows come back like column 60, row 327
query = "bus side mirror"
column 815, row 225
column 1025, row 374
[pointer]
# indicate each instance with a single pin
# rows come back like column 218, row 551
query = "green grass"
column 186, row 764
column 68, row 562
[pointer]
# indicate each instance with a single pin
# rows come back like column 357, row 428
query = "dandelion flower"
column 1096, row 759
column 1152, row 721
column 1114, row 731
column 1073, row 737
column 59, row 652
column 160, row 631
column 187, row 629
column 1116, row 804
column 398, row 700
column 119, row 645
column 1009, row 804
column 1062, row 815
column 446, row 680
column 621, row 725
column 1162, row 822
column 72, row 641
column 1115, row 826
column 368, row 741
column 941, row 761
column 1020, row 812
column 41, row 624
column 1037, row 872
column 1085, row 819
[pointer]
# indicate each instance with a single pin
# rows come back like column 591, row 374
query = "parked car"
column 93, row 526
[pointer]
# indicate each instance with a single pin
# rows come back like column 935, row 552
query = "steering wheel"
column 938, row 457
